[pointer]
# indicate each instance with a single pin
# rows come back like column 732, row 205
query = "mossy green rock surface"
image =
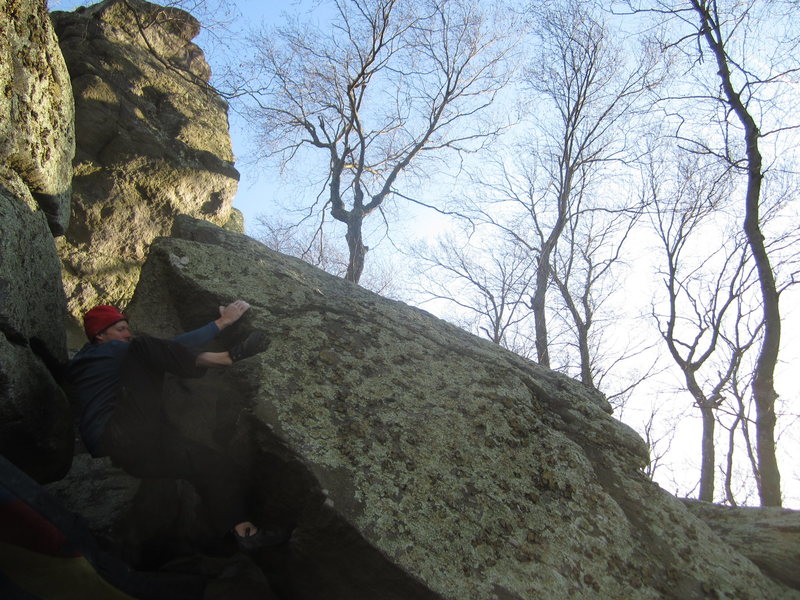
column 420, row 461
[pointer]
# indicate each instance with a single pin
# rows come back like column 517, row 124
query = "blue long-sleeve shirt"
column 95, row 374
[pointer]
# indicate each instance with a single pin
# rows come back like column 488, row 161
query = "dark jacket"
column 94, row 373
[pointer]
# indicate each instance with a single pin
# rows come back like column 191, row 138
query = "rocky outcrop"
column 768, row 536
column 417, row 460
column 152, row 142
column 36, row 149
column 37, row 139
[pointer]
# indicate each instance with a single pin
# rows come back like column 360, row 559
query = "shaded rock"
column 36, row 148
column 48, row 552
column 420, row 461
column 145, row 523
column 768, row 536
column 156, row 526
column 152, row 142
column 241, row 579
column 35, row 420
column 37, row 139
column 32, row 302
column 100, row 492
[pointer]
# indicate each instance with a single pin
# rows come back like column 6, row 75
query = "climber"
column 118, row 381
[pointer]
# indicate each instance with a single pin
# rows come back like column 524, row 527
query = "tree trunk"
column 587, row 378
column 543, row 268
column 582, row 327
column 764, row 394
column 356, row 247
column 707, row 458
column 538, row 308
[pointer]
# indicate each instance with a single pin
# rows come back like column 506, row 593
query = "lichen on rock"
column 36, row 150
column 450, row 466
column 37, row 136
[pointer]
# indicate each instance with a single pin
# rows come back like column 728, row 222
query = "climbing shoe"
column 255, row 342
column 263, row 538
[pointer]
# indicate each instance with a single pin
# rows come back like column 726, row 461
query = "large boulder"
column 36, row 149
column 417, row 460
column 769, row 536
column 152, row 142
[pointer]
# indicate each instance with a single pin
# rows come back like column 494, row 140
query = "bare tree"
column 737, row 99
column 658, row 440
column 582, row 75
column 582, row 270
column 741, row 56
column 705, row 275
column 485, row 282
column 585, row 95
column 737, row 407
column 387, row 88
column 315, row 248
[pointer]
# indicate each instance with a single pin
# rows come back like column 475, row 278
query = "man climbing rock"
column 118, row 379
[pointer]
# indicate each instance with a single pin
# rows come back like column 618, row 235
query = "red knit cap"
column 100, row 318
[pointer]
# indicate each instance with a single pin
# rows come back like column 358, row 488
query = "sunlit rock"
column 152, row 142
column 37, row 140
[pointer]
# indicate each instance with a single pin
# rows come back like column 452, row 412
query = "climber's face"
column 118, row 331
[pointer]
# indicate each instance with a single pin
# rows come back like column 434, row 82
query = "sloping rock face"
column 417, row 460
column 36, row 149
column 768, row 536
column 152, row 142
